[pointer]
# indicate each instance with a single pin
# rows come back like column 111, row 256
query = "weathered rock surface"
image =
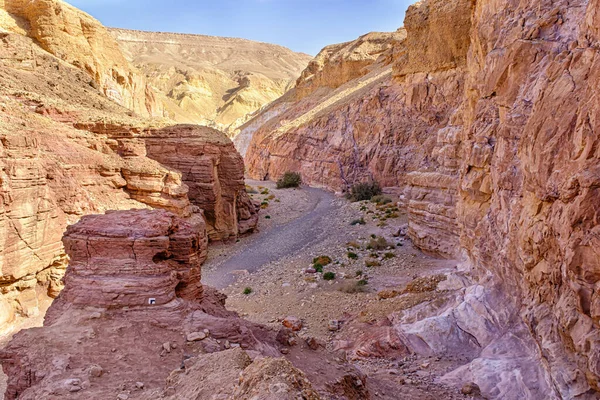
column 80, row 40
column 134, row 258
column 211, row 80
column 489, row 127
column 60, row 161
column 214, row 172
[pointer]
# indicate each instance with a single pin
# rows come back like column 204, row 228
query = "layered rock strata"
column 134, row 321
column 501, row 166
column 59, row 161
column 80, row 40
column 211, row 80
column 214, row 172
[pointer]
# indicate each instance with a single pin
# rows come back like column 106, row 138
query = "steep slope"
column 80, row 40
column 207, row 79
column 68, row 150
column 489, row 128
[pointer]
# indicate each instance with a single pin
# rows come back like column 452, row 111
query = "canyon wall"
column 78, row 39
column 67, row 150
column 489, row 127
column 210, row 80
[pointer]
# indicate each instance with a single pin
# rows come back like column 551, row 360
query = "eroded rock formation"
column 489, row 128
column 66, row 151
column 80, row 40
column 133, row 321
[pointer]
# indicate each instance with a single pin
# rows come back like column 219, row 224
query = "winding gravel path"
column 279, row 241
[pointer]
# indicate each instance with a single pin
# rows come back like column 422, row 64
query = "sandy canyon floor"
column 274, row 264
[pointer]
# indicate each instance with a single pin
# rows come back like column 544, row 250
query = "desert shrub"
column 267, row 217
column 271, row 197
column 424, row 284
column 387, row 256
column 399, row 245
column 363, row 191
column 265, row 191
column 329, row 276
column 360, row 221
column 247, row 291
column 362, row 282
column 372, row 263
column 318, row 267
column 380, row 199
column 289, row 180
column 323, row 260
column 353, row 244
column 378, row 244
column 352, row 255
column 251, row 190
column 359, row 273
column 373, row 236
column 352, row 287
column 264, row 204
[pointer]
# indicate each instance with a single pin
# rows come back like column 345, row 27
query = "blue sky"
column 306, row 25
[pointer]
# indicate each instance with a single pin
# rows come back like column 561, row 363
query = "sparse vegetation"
column 329, row 276
column 380, row 199
column 372, row 263
column 265, row 191
column 362, row 282
column 378, row 244
column 359, row 273
column 363, row 191
column 318, row 267
column 264, row 204
column 424, row 284
column 247, row 291
column 289, row 180
column 353, row 244
column 360, row 221
column 352, row 287
column 267, row 217
column 323, row 260
column 388, row 256
column 352, row 255
column 251, row 190
column 271, row 197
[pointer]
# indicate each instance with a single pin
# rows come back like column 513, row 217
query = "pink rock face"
column 491, row 127
column 214, row 172
column 134, row 258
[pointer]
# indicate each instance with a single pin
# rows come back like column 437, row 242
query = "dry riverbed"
column 369, row 260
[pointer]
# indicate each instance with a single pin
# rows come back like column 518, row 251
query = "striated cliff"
column 211, row 80
column 80, row 40
column 68, row 150
column 488, row 126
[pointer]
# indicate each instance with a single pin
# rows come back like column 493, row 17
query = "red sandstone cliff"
column 489, row 127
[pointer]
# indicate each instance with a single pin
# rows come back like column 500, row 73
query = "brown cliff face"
column 59, row 161
column 132, row 296
column 489, row 127
column 80, row 40
column 211, row 80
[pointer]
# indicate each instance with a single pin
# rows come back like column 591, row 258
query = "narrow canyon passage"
column 276, row 241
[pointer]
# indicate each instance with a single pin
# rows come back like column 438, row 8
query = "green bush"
column 352, row 255
column 380, row 199
column 372, row 263
column 251, row 190
column 323, row 260
column 387, row 256
column 360, row 221
column 363, row 191
column 329, row 276
column 289, row 180
column 267, row 217
column 362, row 282
column 318, row 267
column 247, row 290
column 378, row 244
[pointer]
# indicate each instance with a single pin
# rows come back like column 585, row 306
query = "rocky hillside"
column 211, row 80
column 68, row 148
column 484, row 117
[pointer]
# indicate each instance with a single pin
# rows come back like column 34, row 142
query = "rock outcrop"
column 214, row 172
column 488, row 126
column 59, row 161
column 211, row 80
column 80, row 40
column 154, row 253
